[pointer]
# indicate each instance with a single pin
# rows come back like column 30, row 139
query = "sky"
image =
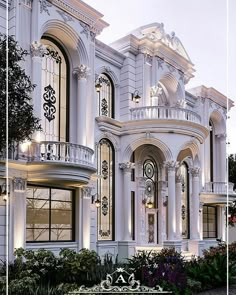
column 206, row 28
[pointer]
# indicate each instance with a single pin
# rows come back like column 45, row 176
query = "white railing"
column 54, row 151
column 163, row 112
column 219, row 188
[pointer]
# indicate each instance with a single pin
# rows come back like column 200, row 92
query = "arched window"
column 105, row 92
column 55, row 92
column 105, row 189
column 185, row 200
column 150, row 172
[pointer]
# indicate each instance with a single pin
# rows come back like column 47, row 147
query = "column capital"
column 38, row 49
column 86, row 192
column 194, row 171
column 19, row 184
column 127, row 166
column 171, row 165
column 82, row 72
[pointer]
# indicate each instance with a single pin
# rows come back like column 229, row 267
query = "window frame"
column 67, row 130
column 216, row 225
column 112, row 97
column 113, row 192
column 73, row 214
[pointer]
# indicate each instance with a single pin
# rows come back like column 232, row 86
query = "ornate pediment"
column 156, row 33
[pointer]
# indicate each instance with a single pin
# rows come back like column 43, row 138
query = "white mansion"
column 127, row 159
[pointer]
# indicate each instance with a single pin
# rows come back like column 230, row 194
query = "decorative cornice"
column 127, row 167
column 82, row 12
column 194, row 171
column 37, row 49
column 82, row 72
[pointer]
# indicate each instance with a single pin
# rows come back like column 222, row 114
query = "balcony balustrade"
column 163, row 112
column 219, row 188
column 54, row 151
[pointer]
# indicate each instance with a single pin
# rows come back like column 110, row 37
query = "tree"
column 21, row 120
column 232, row 178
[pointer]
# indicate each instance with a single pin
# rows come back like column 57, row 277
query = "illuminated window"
column 49, row 214
column 105, row 185
column 105, row 96
column 54, row 110
column 209, row 221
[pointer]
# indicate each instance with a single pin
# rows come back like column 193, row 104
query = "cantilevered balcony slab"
column 217, row 192
column 55, row 162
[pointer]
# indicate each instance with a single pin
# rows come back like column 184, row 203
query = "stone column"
column 127, row 167
column 86, row 196
column 82, row 73
column 178, row 188
column 222, row 157
column 141, row 211
column 37, row 52
column 171, row 166
column 19, row 212
column 195, row 202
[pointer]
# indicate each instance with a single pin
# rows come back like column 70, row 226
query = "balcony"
column 163, row 112
column 53, row 161
column 217, row 192
column 55, row 151
column 219, row 188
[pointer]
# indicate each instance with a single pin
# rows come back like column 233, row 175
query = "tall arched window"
column 185, row 200
column 55, row 92
column 105, row 189
column 105, row 96
column 150, row 172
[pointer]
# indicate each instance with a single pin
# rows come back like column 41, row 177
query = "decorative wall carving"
column 82, row 72
column 156, row 91
column 86, row 29
column 44, row 4
column 37, row 49
column 104, row 205
column 104, row 169
column 160, row 62
column 19, row 184
column 66, row 17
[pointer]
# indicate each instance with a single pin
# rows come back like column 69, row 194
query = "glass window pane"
column 61, row 195
column 37, row 234
column 61, row 234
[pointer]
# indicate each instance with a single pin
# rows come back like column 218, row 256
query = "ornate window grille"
column 105, row 189
column 105, row 96
column 150, row 172
column 54, row 109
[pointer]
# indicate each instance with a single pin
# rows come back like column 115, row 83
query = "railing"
column 163, row 112
column 54, row 151
column 219, row 187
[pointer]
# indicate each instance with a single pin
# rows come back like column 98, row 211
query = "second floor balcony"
column 53, row 161
column 164, row 112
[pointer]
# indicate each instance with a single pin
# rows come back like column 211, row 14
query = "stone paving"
column 220, row 291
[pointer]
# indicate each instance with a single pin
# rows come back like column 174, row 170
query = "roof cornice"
column 83, row 12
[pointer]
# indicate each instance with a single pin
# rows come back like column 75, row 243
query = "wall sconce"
column 148, row 204
column 3, row 191
column 98, row 85
column 97, row 202
column 165, row 203
column 135, row 96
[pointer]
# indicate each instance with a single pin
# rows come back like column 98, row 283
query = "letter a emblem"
column 120, row 278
